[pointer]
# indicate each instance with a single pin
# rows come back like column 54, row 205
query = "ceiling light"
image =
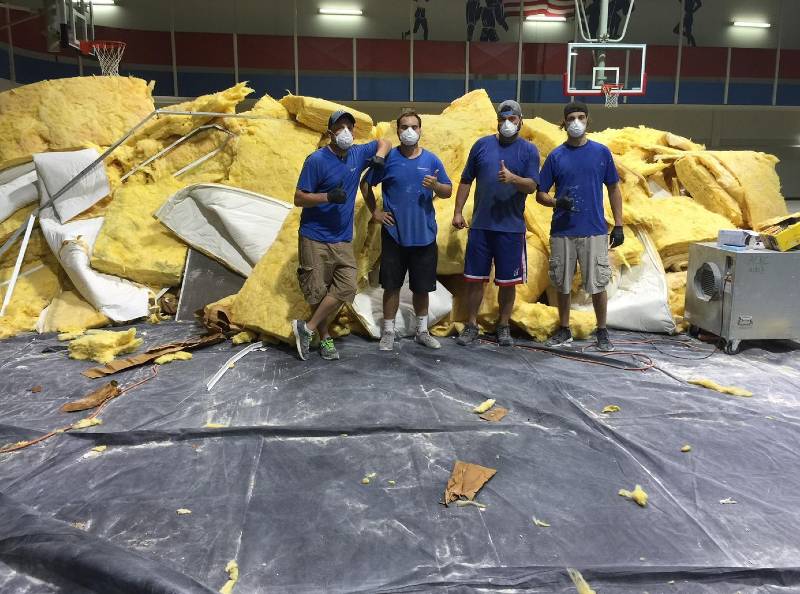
column 104, row 2
column 541, row 18
column 754, row 24
column 342, row 11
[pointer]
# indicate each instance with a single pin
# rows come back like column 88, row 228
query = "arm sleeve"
column 366, row 152
column 611, row 177
column 532, row 170
column 443, row 177
column 309, row 176
column 546, row 178
column 374, row 176
column 468, row 175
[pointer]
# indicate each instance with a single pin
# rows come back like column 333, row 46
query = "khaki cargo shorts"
column 592, row 255
column 326, row 269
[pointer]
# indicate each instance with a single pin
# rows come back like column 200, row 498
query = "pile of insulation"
column 675, row 193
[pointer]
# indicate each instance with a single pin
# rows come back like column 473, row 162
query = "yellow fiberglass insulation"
column 103, row 345
column 68, row 114
column 37, row 251
column 33, row 292
column 133, row 244
column 69, row 312
column 540, row 321
column 676, row 285
column 314, row 113
column 543, row 134
column 14, row 222
column 267, row 106
column 682, row 223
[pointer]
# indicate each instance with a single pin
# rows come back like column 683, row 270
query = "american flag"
column 550, row 8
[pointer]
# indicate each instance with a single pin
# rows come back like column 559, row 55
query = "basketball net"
column 611, row 91
column 109, row 54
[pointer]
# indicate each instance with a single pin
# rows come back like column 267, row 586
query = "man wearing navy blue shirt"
column 506, row 168
column 578, row 232
column 327, row 192
column 409, row 180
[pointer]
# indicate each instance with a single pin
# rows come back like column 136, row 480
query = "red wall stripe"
column 214, row 50
column 544, row 58
column 753, row 63
column 790, row 64
column 709, row 62
column 383, row 55
column 439, row 57
column 325, row 53
column 661, row 60
column 492, row 58
column 143, row 47
column 266, row 52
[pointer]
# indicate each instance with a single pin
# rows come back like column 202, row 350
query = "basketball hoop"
column 611, row 91
column 108, row 53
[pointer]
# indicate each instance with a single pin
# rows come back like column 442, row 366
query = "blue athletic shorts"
column 506, row 249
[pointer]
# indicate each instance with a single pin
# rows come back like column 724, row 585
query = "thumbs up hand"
column 430, row 181
column 505, row 176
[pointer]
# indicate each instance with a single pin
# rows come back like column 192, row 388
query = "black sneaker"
column 302, row 338
column 560, row 338
column 603, row 343
column 504, row 335
column 468, row 335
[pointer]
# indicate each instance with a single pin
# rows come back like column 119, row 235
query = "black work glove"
column 377, row 162
column 616, row 238
column 337, row 196
column 565, row 203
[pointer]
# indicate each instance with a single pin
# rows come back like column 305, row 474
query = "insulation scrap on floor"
column 712, row 385
column 69, row 312
column 465, row 481
column 232, row 568
column 69, row 113
column 581, row 584
column 637, row 495
column 540, row 321
column 104, row 345
column 170, row 357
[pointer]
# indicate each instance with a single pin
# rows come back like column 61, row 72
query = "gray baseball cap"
column 509, row 108
column 338, row 115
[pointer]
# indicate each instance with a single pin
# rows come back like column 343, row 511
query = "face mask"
column 409, row 137
column 576, row 129
column 344, row 139
column 508, row 129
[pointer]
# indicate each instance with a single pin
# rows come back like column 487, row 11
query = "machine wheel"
column 694, row 331
column 732, row 347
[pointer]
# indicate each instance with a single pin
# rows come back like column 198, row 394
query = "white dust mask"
column 508, row 129
column 576, row 128
column 409, row 137
column 344, row 139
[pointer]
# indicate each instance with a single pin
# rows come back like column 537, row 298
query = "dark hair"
column 574, row 107
column 406, row 114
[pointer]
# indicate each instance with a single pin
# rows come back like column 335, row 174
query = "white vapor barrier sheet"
column 234, row 226
column 55, row 170
column 368, row 308
column 72, row 243
column 18, row 188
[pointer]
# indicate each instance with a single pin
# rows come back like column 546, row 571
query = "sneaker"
column 504, row 335
column 425, row 339
column 560, row 338
column 387, row 341
column 302, row 338
column 327, row 350
column 603, row 343
column 468, row 335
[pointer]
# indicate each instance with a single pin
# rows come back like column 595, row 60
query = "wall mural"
column 420, row 22
column 489, row 13
column 691, row 7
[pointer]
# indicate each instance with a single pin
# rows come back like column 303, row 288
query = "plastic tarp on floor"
column 278, row 487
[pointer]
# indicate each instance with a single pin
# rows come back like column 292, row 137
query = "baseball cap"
column 575, row 106
column 509, row 108
column 338, row 115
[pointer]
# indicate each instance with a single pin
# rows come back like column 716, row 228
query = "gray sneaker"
column 468, row 335
column 425, row 339
column 504, row 335
column 387, row 341
column 603, row 343
column 302, row 338
column 327, row 350
column 562, row 337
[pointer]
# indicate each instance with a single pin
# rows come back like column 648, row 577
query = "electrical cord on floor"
column 25, row 444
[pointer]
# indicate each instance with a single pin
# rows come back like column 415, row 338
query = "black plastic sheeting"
column 279, row 489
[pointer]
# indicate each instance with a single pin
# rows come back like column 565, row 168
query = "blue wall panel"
column 657, row 92
column 701, row 93
column 499, row 90
column 383, row 88
column 438, row 89
column 31, row 70
column 5, row 71
column 789, row 94
column 750, row 94
column 334, row 88
column 274, row 84
column 192, row 83
column 163, row 79
column 543, row 91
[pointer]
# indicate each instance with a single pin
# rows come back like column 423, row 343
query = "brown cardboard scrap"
column 466, row 480
column 495, row 415
column 95, row 398
column 152, row 354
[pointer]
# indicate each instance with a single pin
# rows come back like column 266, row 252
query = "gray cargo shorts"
column 592, row 255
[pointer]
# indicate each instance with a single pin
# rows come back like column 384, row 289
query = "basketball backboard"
column 68, row 23
column 592, row 65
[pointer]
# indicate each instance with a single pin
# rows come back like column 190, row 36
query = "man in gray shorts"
column 578, row 169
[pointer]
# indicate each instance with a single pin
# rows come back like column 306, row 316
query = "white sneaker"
column 387, row 341
column 425, row 339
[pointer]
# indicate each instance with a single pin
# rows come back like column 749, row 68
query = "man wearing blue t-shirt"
column 409, row 180
column 578, row 232
column 506, row 168
column 327, row 192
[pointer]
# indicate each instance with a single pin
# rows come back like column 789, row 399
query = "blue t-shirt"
column 322, row 172
column 406, row 198
column 499, row 206
column 580, row 172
